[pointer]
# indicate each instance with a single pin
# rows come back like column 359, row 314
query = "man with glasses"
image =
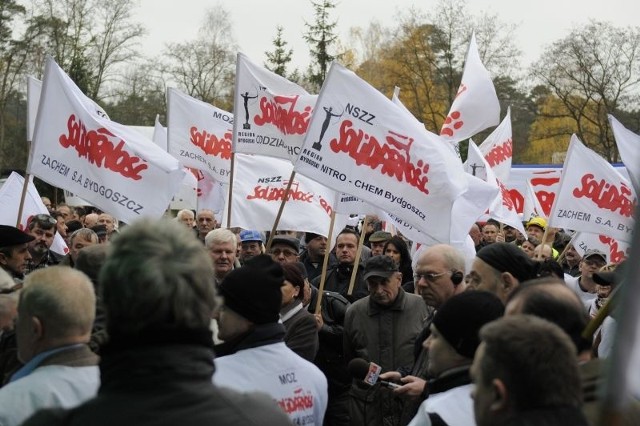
column 438, row 276
column 284, row 249
column 584, row 285
column 43, row 228
column 14, row 251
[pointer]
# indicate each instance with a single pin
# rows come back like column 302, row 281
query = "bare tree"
column 204, row 67
column 594, row 71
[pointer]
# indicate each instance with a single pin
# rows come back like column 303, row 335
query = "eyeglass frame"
column 429, row 277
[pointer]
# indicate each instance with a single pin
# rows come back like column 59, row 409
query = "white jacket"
column 297, row 385
column 454, row 406
column 52, row 386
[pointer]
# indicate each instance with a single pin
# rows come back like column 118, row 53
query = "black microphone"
column 368, row 372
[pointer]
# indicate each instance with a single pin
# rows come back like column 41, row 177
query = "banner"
column 532, row 207
column 629, row 147
column 593, row 197
column 497, row 149
column 476, row 105
column 273, row 113
column 199, row 134
column 361, row 143
column 112, row 167
column 10, row 194
column 258, row 190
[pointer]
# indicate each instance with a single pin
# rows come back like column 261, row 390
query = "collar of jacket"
column 397, row 305
column 259, row 335
column 450, row 379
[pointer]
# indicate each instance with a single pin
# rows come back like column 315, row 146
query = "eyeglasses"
column 429, row 277
column 44, row 219
column 285, row 252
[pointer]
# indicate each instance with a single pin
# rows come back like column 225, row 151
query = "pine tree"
column 278, row 59
column 320, row 37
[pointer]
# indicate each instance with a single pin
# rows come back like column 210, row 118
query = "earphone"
column 457, row 277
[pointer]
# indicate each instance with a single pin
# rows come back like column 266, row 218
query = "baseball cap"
column 379, row 266
column 250, row 235
column 595, row 252
column 379, row 237
column 609, row 278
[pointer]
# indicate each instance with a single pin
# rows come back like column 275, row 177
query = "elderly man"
column 584, row 285
column 452, row 344
column 381, row 328
column 90, row 220
column 571, row 261
column 80, row 239
column 256, row 355
column 186, row 217
column 156, row 368
column 525, row 372
column 55, row 315
column 499, row 267
column 251, row 244
column 109, row 222
column 284, row 249
column 205, row 222
column 43, row 228
column 14, row 251
column 222, row 246
column 438, row 276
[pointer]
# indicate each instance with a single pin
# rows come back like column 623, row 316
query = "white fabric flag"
column 10, row 194
column 616, row 250
column 593, row 196
column 497, row 149
column 532, row 207
column 107, row 164
column 629, row 147
column 361, row 143
column 258, row 190
column 199, row 134
column 211, row 194
column 349, row 204
column 476, row 105
column 502, row 208
column 160, row 136
column 273, row 113
column 34, row 87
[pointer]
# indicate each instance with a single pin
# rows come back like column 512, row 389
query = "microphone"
column 368, row 372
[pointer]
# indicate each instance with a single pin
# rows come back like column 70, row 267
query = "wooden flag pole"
column 280, row 210
column 25, row 186
column 325, row 263
column 356, row 263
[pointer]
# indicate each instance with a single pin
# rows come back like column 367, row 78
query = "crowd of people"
column 183, row 321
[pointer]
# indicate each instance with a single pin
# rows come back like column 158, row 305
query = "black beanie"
column 506, row 257
column 460, row 319
column 253, row 291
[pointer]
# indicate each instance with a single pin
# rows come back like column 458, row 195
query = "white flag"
column 273, row 113
column 361, row 143
column 211, row 193
column 629, row 147
column 476, row 105
column 616, row 250
column 109, row 165
column 10, row 194
column 34, row 86
column 160, row 136
column 532, row 207
column 502, row 208
column 497, row 149
column 258, row 190
column 593, row 197
column 200, row 134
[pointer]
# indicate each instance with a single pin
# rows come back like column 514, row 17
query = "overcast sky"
column 254, row 22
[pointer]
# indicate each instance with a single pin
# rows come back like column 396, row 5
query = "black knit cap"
column 460, row 319
column 253, row 291
column 506, row 257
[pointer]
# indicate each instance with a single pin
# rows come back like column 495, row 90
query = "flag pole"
column 325, row 263
column 356, row 263
column 279, row 215
column 231, row 171
column 25, row 185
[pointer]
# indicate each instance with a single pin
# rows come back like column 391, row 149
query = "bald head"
column 56, row 308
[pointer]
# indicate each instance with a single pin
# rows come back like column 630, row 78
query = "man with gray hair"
column 156, row 369
column 186, row 217
column 79, row 239
column 55, row 315
column 222, row 247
